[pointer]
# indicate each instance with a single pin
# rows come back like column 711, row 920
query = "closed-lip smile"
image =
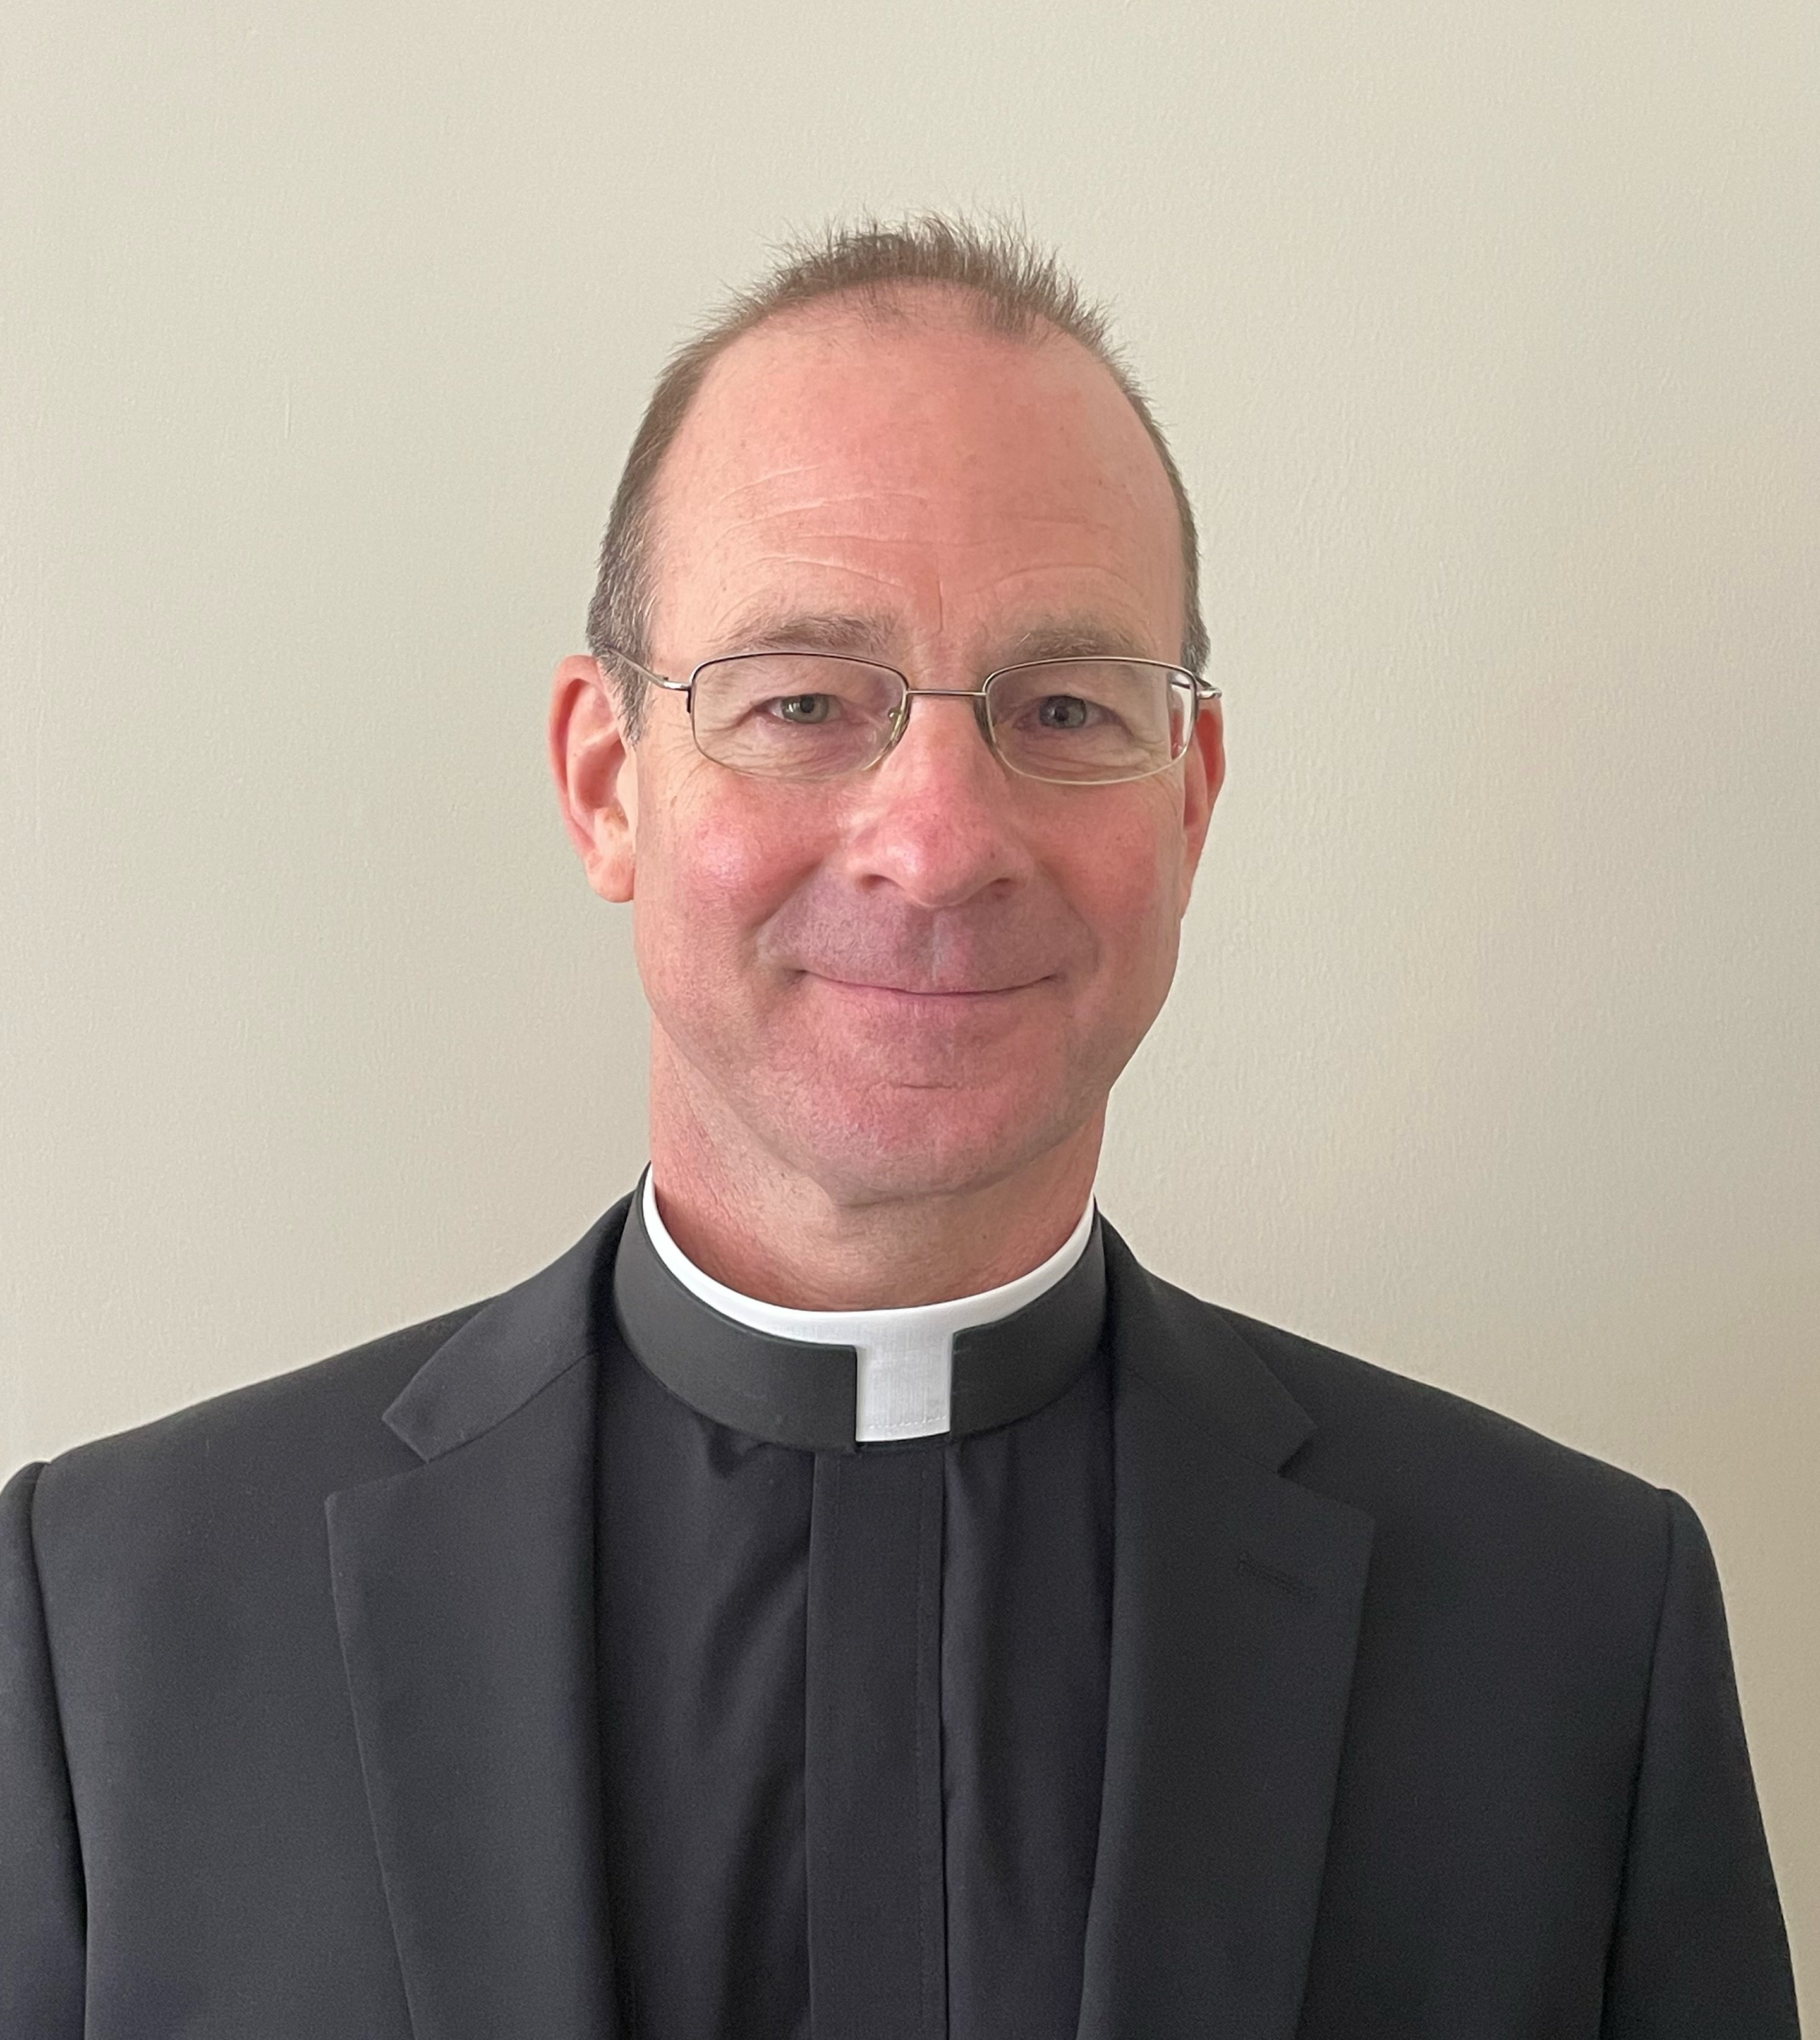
column 927, row 992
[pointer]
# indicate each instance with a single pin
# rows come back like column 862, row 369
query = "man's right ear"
column 596, row 775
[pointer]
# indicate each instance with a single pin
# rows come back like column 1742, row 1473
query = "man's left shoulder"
column 1417, row 1456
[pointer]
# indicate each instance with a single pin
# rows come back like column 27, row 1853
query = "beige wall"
column 1488, row 335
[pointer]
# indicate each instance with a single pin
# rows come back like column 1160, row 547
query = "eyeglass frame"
column 1202, row 690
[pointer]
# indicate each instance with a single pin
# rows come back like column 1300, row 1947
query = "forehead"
column 954, row 480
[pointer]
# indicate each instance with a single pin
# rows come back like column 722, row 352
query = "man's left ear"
column 1206, row 773
column 596, row 775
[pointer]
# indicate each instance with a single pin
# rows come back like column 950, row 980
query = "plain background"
column 1486, row 335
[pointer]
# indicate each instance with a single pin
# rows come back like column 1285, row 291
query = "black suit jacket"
column 1419, row 1725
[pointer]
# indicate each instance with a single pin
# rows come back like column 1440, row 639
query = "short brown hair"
column 1014, row 287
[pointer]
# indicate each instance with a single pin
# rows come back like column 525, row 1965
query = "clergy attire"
column 854, row 1639
column 625, row 1659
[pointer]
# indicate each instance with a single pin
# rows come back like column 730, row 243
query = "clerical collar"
column 832, row 1380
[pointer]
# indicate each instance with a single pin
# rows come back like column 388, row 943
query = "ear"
column 596, row 775
column 1205, row 775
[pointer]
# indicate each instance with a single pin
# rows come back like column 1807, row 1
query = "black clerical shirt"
column 853, row 1700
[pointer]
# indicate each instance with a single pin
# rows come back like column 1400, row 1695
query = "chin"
column 900, row 1141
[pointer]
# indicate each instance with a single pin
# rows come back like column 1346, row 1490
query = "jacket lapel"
column 464, row 1589
column 1236, row 1598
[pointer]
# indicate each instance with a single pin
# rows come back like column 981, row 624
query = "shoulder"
column 1440, row 1474
column 1498, row 1553
column 236, row 1465
column 1404, row 1416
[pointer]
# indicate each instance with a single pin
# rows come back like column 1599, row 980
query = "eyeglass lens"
column 812, row 716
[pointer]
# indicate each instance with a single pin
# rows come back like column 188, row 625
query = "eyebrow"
column 765, row 628
column 857, row 635
column 1082, row 636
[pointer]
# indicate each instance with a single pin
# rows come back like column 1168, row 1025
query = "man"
column 845, row 1595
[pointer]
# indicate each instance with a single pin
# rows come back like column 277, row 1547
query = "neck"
column 782, row 1234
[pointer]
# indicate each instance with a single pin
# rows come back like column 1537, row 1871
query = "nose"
column 937, row 817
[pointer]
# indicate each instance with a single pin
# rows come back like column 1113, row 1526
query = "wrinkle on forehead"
column 825, row 482
column 984, row 528
column 773, row 477
column 1093, row 615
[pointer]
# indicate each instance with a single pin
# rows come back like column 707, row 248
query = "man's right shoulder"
column 297, row 1435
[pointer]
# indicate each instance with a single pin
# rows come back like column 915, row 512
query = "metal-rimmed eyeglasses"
column 1084, row 721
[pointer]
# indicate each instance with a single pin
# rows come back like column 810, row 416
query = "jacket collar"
column 465, row 1593
column 512, row 1349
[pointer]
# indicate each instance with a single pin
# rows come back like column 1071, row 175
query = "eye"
column 802, row 709
column 1062, row 712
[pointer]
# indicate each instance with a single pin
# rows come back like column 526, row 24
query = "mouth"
column 927, row 995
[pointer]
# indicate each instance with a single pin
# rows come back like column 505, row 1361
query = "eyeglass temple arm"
column 610, row 654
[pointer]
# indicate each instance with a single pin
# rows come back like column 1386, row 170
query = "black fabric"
column 853, row 1719
column 873, row 1757
column 1417, row 1725
column 41, row 1872
column 793, row 1392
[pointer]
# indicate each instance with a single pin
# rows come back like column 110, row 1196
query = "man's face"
column 924, row 976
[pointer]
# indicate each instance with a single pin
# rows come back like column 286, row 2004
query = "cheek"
column 710, row 873
column 1125, row 880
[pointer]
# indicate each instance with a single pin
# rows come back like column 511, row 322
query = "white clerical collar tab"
column 904, row 1384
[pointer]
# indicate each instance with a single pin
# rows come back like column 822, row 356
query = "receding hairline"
column 909, row 305
column 900, row 303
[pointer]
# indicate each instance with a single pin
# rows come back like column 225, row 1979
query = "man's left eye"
column 803, row 708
